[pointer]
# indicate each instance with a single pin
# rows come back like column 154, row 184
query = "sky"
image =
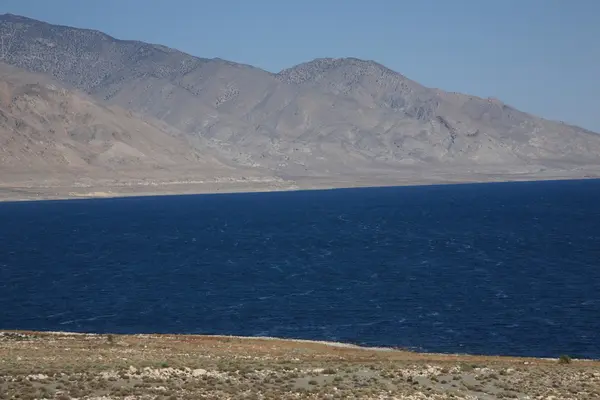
column 541, row 56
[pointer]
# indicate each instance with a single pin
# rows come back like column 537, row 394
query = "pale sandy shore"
column 64, row 190
column 36, row 365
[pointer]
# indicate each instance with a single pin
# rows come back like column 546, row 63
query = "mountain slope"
column 49, row 130
column 433, row 125
column 328, row 117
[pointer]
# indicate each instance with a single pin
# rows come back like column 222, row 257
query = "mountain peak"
column 15, row 17
column 319, row 68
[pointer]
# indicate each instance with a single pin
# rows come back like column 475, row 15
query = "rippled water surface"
column 491, row 268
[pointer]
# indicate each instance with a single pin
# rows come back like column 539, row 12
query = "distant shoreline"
column 22, row 193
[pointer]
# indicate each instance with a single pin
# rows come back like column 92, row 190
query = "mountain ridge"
column 158, row 46
column 329, row 117
column 54, row 132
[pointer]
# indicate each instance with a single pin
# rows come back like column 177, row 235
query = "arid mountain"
column 53, row 132
column 325, row 118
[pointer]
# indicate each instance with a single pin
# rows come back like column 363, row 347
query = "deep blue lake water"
column 511, row 268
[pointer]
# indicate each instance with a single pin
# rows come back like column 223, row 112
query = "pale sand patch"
column 93, row 194
column 168, row 188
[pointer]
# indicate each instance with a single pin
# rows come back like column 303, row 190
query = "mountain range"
column 79, row 104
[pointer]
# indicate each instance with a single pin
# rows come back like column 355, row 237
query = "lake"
column 501, row 268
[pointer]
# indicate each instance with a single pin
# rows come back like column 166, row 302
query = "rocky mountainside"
column 52, row 131
column 327, row 117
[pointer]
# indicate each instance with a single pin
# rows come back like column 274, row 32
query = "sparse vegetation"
column 564, row 359
column 64, row 367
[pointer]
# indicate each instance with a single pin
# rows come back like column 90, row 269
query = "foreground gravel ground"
column 103, row 367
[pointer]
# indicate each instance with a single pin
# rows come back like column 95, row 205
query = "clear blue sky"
column 542, row 56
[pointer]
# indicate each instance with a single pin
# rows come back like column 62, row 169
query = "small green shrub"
column 467, row 367
column 564, row 359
